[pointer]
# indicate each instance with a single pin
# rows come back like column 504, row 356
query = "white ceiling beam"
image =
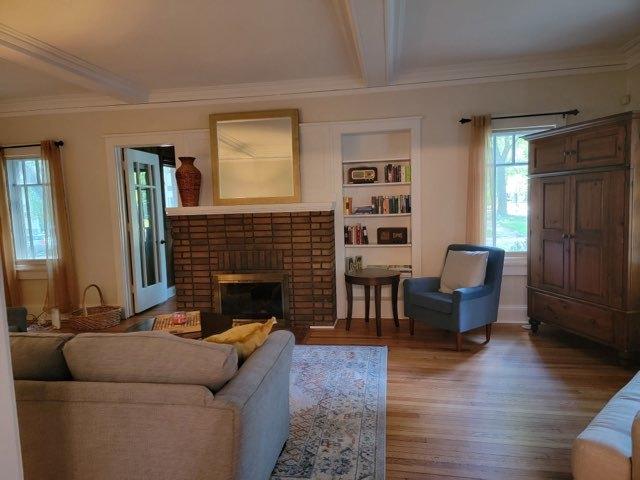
column 32, row 53
column 365, row 29
column 394, row 27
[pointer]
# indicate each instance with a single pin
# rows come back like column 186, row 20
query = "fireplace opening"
column 253, row 296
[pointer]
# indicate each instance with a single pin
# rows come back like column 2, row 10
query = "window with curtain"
column 507, row 190
column 27, row 189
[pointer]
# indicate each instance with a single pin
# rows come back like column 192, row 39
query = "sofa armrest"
column 470, row 293
column 635, row 448
column 273, row 354
column 258, row 396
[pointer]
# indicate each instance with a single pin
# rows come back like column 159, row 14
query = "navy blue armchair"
column 462, row 310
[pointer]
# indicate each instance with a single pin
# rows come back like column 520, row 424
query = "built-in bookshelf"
column 388, row 198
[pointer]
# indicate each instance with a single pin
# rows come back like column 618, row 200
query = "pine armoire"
column 584, row 230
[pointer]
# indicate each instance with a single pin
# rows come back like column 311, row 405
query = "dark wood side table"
column 376, row 278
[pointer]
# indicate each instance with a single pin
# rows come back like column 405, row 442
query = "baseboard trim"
column 506, row 314
column 512, row 314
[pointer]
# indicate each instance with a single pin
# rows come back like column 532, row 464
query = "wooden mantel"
column 229, row 209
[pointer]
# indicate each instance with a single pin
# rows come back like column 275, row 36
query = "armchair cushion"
column 463, row 269
column 440, row 302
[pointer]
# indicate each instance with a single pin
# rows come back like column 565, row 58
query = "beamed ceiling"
column 77, row 53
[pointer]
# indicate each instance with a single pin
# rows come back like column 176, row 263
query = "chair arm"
column 635, row 448
column 421, row 284
column 470, row 293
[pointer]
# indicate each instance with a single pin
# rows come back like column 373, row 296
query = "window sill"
column 32, row 270
column 515, row 264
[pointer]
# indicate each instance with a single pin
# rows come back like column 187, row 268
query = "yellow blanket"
column 245, row 338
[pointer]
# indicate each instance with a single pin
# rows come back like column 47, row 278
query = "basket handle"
column 84, row 297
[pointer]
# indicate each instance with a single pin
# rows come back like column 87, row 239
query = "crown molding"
column 20, row 48
column 516, row 68
column 631, row 51
column 479, row 72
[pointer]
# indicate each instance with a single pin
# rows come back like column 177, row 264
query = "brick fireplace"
column 300, row 245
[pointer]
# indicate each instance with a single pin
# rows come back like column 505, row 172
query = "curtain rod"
column 58, row 143
column 575, row 111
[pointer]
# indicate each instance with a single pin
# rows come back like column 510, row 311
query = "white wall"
column 443, row 144
column 10, row 460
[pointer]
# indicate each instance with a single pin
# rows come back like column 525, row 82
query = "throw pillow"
column 463, row 269
column 245, row 338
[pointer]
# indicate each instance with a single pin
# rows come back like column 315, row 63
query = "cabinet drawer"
column 581, row 318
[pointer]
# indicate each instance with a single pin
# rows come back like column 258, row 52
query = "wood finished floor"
column 508, row 409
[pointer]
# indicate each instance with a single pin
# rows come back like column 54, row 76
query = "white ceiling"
column 438, row 33
column 17, row 81
column 170, row 50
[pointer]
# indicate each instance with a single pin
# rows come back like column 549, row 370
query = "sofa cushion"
column 38, row 356
column 603, row 449
column 463, row 269
column 149, row 357
column 440, row 302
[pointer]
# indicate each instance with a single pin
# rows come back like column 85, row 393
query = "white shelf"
column 262, row 208
column 375, row 245
column 378, row 160
column 376, row 215
column 376, row 184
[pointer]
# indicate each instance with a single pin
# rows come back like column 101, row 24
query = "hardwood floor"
column 505, row 410
column 509, row 409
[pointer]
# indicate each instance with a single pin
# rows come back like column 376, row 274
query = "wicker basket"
column 94, row 318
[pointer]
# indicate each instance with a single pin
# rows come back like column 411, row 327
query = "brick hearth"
column 300, row 244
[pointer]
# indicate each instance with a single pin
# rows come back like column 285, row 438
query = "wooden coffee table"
column 210, row 324
column 376, row 277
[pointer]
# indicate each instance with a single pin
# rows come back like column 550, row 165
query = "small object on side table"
column 376, row 277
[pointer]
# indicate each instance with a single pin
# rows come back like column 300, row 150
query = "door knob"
column 162, row 242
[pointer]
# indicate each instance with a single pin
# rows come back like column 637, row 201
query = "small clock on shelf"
column 362, row 175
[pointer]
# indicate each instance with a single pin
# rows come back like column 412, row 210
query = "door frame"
column 117, row 191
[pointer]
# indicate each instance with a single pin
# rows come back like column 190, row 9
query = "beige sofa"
column 609, row 448
column 149, row 406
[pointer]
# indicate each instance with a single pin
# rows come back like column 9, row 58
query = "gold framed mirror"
column 255, row 157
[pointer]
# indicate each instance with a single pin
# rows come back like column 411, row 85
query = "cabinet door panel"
column 598, row 146
column 548, row 155
column 548, row 224
column 594, row 262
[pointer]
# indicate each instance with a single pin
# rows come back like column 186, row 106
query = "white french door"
column 146, row 228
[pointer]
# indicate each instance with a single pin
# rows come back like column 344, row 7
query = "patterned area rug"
column 338, row 407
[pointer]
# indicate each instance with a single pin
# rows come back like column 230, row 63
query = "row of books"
column 380, row 204
column 397, row 173
column 356, row 235
column 391, row 204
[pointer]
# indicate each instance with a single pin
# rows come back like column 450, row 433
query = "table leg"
column 394, row 301
column 367, row 301
column 378, row 295
column 349, row 304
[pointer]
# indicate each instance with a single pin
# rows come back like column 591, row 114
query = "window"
column 507, row 190
column 27, row 189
